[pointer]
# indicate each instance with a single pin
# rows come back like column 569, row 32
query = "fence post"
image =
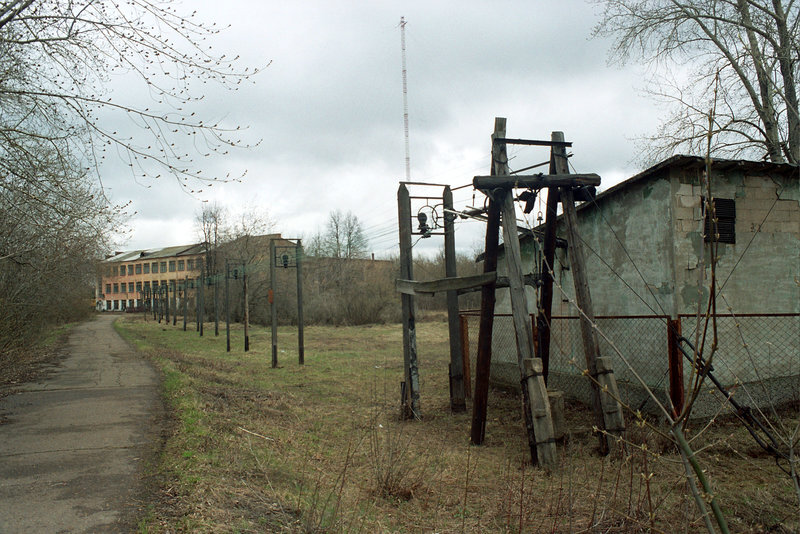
column 676, row 392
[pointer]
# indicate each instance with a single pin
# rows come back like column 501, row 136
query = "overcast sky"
column 329, row 110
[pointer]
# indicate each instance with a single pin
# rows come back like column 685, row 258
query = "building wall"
column 111, row 278
column 649, row 236
column 757, row 274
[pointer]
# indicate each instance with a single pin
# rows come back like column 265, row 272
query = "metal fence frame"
column 758, row 358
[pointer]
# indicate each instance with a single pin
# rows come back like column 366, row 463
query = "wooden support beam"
column 431, row 287
column 410, row 391
column 502, row 281
column 537, row 406
column 457, row 396
column 558, row 165
column 583, row 299
column 484, row 357
column 535, row 181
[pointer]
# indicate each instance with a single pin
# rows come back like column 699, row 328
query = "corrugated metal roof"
column 164, row 252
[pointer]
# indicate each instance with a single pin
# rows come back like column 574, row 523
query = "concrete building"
column 127, row 277
column 645, row 254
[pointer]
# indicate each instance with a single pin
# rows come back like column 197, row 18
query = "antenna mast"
column 405, row 96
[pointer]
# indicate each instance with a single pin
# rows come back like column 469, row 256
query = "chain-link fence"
column 758, row 357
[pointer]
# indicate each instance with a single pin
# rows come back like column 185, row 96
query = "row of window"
column 118, row 304
column 154, row 267
column 131, row 287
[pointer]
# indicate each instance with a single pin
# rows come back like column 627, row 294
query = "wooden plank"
column 430, row 287
column 502, row 281
column 458, row 401
column 522, row 326
column 410, row 403
column 535, row 181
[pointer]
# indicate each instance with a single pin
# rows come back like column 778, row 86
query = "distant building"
column 126, row 279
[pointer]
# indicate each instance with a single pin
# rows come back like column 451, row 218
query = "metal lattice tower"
column 405, row 96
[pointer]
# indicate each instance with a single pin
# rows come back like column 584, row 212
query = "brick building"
column 127, row 278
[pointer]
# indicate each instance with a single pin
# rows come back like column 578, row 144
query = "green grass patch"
column 319, row 448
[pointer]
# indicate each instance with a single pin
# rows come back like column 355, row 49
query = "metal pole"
column 185, row 300
column 201, row 315
column 298, row 264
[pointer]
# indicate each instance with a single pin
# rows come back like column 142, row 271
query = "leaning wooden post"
column 603, row 421
column 457, row 396
column 538, row 420
column 410, row 390
column 272, row 307
column 298, row 250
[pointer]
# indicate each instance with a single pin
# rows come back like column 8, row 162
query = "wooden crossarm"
column 429, row 287
column 535, row 181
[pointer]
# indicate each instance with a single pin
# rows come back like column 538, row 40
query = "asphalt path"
column 74, row 444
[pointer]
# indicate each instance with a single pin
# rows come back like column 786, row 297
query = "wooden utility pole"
column 272, row 307
column 174, row 302
column 558, row 165
column 227, row 307
column 215, row 279
column 166, row 303
column 298, row 265
column 486, row 325
column 457, row 395
column 410, row 389
column 201, row 315
column 185, row 299
column 246, row 310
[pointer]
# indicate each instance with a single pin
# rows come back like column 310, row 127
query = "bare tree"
column 344, row 236
column 55, row 61
column 744, row 53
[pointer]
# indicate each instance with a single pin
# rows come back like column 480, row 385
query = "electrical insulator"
column 285, row 259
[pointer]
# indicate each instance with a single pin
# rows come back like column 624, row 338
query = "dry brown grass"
column 319, row 449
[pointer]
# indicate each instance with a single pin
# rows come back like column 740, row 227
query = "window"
column 163, row 266
column 116, row 288
column 108, row 288
column 122, row 303
column 138, row 268
column 146, row 268
column 138, row 286
column 108, row 304
column 130, row 303
column 155, row 266
column 163, row 283
column 116, row 304
column 130, row 287
column 114, row 271
column 122, row 270
column 147, row 285
column 190, row 264
column 130, row 270
column 180, row 265
column 172, row 266
column 725, row 211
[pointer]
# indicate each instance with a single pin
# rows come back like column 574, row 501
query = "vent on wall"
column 725, row 210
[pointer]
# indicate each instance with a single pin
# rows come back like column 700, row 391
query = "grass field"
column 319, row 448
